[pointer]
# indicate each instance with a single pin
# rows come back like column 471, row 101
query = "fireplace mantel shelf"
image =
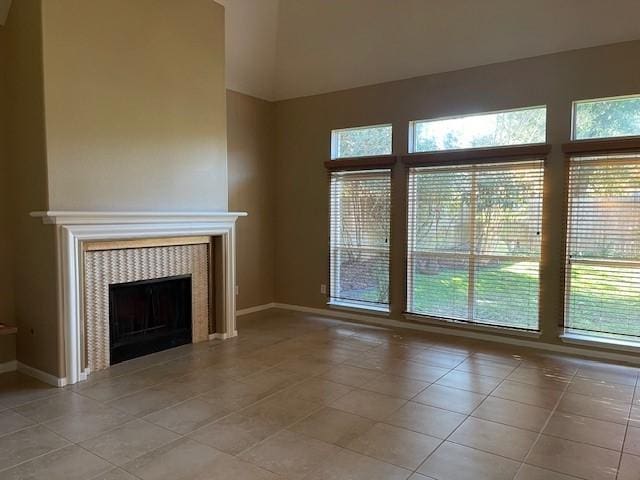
column 103, row 217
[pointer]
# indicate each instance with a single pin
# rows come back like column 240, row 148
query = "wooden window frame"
column 476, row 156
column 361, row 163
column 577, row 148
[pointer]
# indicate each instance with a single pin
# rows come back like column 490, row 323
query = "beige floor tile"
column 438, row 358
column 494, row 437
column 347, row 465
column 540, row 378
column 17, row 389
column 148, row 401
column 239, row 368
column 228, row 467
column 456, row 462
column 469, row 381
column 196, row 382
column 273, row 380
column 369, row 361
column 352, row 376
column 113, row 388
column 586, row 430
column 187, row 416
column 552, row 362
column 611, row 391
column 319, row 390
column 454, row 399
column 129, row 441
column 515, row 414
column 571, row 458
column 66, row 403
column 497, row 356
column 289, row 454
column 83, row 426
column 69, row 463
column 115, row 474
column 600, row 408
column 414, row 370
column 632, row 441
column 368, row 404
column 529, row 472
column 394, row 445
column 235, row 433
column 11, row 422
column 629, row 467
column 235, row 395
column 282, row 409
column 333, row 426
column 425, row 419
column 180, row 460
column 621, row 374
column 486, row 368
column 305, row 365
column 520, row 392
column 634, row 416
column 26, row 444
column 400, row 387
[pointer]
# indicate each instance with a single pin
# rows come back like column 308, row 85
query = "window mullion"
column 472, row 243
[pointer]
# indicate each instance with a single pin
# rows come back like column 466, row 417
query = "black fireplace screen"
column 149, row 316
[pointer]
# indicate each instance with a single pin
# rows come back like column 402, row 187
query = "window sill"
column 446, row 322
column 602, row 342
column 358, row 308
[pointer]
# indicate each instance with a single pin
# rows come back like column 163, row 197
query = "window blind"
column 359, row 238
column 474, row 242
column 602, row 282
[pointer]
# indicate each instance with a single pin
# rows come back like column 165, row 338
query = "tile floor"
column 308, row 397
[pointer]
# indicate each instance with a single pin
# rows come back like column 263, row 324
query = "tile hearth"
column 307, row 397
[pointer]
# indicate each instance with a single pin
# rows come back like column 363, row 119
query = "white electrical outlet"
column 323, row 289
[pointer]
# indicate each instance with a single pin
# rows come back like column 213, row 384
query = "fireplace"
column 98, row 249
column 148, row 316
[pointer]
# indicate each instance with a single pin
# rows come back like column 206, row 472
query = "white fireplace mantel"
column 74, row 227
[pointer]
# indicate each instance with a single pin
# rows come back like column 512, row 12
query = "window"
column 359, row 238
column 602, row 283
column 608, row 117
column 361, row 141
column 474, row 242
column 512, row 127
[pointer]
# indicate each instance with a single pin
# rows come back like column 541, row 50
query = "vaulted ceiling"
column 279, row 49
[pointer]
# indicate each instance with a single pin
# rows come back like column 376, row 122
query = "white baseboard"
column 223, row 336
column 42, row 376
column 10, row 366
column 257, row 308
column 387, row 322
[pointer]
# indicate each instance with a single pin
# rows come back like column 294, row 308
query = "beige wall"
column 7, row 343
column 34, row 261
column 135, row 104
column 251, row 152
column 302, row 142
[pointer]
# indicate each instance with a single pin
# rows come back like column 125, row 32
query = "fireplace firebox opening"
column 149, row 316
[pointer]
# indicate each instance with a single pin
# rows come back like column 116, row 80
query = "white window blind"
column 359, row 238
column 602, row 282
column 474, row 242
